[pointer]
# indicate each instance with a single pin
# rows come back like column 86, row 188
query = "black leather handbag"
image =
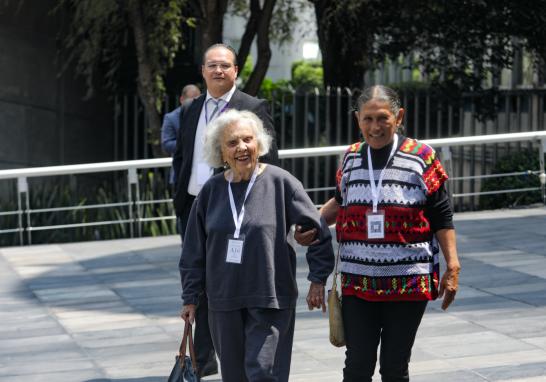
column 185, row 368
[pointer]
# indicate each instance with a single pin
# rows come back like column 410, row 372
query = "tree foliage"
column 114, row 41
column 457, row 44
column 268, row 20
column 105, row 36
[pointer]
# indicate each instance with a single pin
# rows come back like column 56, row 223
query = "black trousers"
column 366, row 324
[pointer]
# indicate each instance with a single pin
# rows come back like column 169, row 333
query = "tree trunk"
column 264, row 51
column 343, row 67
column 212, row 25
column 250, row 31
column 145, row 76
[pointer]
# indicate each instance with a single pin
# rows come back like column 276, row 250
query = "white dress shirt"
column 200, row 170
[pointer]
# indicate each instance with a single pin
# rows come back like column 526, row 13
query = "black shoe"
column 210, row 368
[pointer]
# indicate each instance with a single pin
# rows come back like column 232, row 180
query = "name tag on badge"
column 235, row 249
column 376, row 225
column 203, row 173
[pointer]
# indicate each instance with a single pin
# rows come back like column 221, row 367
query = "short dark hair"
column 220, row 45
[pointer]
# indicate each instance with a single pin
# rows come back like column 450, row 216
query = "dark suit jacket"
column 183, row 155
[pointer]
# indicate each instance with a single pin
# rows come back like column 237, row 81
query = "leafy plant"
column 307, row 74
column 522, row 161
column 52, row 193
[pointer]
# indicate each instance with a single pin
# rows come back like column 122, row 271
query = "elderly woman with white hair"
column 236, row 250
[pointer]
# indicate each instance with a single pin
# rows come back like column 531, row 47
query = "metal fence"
column 326, row 117
column 131, row 202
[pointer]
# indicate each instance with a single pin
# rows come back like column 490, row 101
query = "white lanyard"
column 377, row 190
column 238, row 220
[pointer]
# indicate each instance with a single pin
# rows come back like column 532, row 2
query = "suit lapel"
column 190, row 121
column 236, row 101
column 188, row 127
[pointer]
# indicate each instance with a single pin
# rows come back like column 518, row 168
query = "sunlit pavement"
column 108, row 311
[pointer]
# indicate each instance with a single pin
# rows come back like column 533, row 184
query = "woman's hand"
column 450, row 280
column 188, row 313
column 305, row 237
column 448, row 286
column 315, row 297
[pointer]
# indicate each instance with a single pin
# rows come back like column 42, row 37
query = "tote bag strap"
column 187, row 341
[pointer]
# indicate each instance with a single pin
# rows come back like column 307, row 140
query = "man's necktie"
column 216, row 104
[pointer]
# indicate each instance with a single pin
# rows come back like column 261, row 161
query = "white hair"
column 212, row 150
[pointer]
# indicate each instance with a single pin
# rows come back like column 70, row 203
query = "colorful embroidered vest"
column 404, row 264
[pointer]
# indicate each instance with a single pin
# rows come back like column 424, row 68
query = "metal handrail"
column 134, row 203
column 85, row 168
column 436, row 143
column 283, row 154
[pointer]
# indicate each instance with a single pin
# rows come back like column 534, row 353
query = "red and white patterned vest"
column 404, row 265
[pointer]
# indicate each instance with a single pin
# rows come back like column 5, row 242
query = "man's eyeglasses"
column 224, row 67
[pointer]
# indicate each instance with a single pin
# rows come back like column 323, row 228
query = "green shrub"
column 307, row 74
column 58, row 192
column 521, row 161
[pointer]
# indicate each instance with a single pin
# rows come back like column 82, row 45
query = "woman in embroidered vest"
column 236, row 248
column 391, row 211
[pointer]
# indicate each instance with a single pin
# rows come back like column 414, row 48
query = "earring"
column 226, row 165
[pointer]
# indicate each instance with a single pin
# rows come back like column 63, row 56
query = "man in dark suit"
column 219, row 71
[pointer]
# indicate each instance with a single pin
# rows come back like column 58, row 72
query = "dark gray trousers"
column 253, row 344
column 204, row 349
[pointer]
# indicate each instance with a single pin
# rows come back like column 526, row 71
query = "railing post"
column 316, row 135
column 328, row 134
column 131, row 179
column 338, row 116
column 305, row 126
column 542, row 176
column 22, row 187
column 349, row 114
column 294, row 127
column 139, row 214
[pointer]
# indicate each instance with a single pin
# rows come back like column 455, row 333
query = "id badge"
column 376, row 224
column 203, row 173
column 235, row 249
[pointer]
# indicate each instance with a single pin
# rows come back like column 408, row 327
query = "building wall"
column 43, row 118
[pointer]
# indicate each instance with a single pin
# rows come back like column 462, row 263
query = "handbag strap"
column 187, row 340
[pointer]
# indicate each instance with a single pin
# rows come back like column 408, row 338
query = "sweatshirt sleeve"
column 320, row 256
column 192, row 259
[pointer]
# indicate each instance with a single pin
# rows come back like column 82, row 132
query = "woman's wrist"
column 454, row 267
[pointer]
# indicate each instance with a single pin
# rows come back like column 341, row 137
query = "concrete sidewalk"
column 108, row 311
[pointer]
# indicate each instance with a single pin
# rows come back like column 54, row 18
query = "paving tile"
column 523, row 370
column 537, row 341
column 78, row 375
column 39, row 367
column 456, row 376
column 472, row 344
column 36, row 344
column 108, row 311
